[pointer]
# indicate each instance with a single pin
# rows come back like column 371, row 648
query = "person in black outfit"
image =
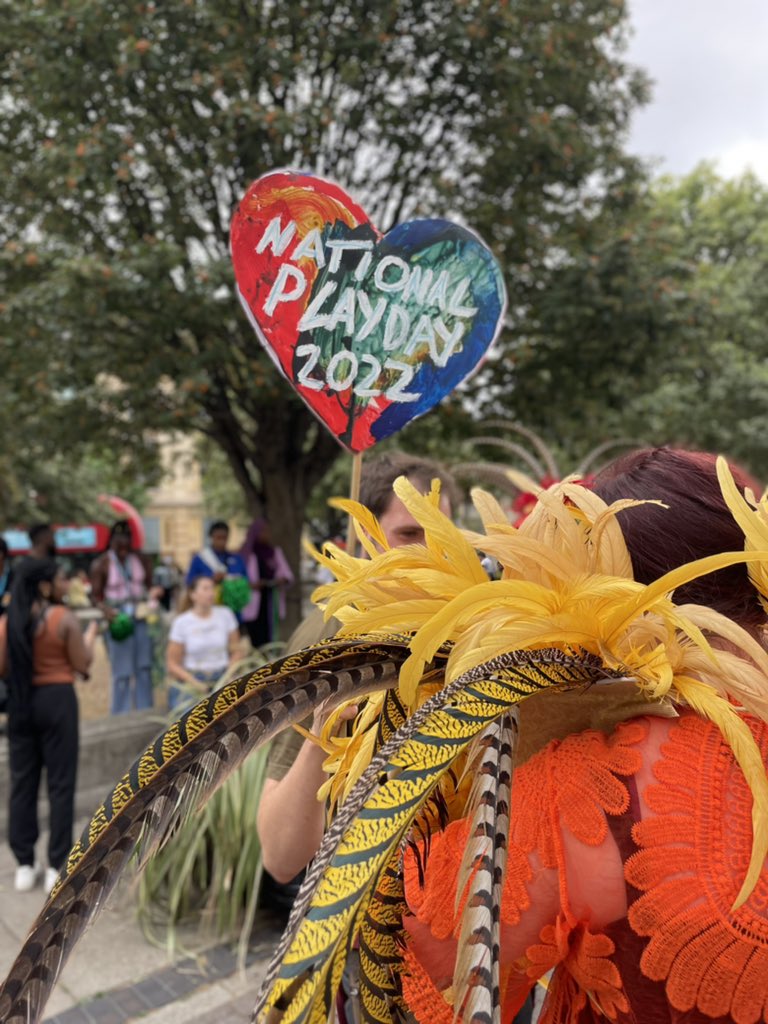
column 6, row 582
column 42, row 647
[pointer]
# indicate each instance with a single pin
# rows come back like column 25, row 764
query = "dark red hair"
column 697, row 523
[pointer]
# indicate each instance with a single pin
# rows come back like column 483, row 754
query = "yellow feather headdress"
column 567, row 582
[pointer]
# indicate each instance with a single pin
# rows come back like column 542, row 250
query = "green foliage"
column 222, row 497
column 209, row 871
column 43, row 481
column 651, row 325
column 129, row 131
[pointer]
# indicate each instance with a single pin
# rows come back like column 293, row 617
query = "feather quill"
column 481, row 874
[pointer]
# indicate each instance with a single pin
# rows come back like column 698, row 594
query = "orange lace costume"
column 626, row 854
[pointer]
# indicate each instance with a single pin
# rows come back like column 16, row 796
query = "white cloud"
column 749, row 154
column 710, row 99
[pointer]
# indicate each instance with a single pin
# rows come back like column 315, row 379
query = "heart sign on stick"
column 371, row 330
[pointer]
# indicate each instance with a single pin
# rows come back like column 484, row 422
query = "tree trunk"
column 285, row 500
column 278, row 464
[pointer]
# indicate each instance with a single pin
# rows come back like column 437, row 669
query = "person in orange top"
column 628, row 843
column 42, row 648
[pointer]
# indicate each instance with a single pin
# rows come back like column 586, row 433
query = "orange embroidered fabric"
column 420, row 994
column 693, row 856
column 677, row 955
column 571, row 784
column 583, row 971
column 434, row 903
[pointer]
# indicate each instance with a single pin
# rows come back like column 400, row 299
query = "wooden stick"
column 354, row 494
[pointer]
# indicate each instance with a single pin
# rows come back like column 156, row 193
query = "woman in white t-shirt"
column 203, row 643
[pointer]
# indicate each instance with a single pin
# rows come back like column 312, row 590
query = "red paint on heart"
column 310, row 203
column 308, row 261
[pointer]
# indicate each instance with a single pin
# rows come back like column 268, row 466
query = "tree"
column 130, row 130
column 713, row 392
column 58, row 454
column 652, row 324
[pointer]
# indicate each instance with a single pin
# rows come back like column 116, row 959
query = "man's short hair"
column 218, row 525
column 37, row 530
column 380, row 473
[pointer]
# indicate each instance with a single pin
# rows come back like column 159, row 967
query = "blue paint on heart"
column 442, row 245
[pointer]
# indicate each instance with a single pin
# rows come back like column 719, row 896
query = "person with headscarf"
column 42, row 650
column 120, row 579
column 269, row 574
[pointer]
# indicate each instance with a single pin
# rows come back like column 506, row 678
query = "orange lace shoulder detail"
column 573, row 784
column 692, row 858
column 570, row 785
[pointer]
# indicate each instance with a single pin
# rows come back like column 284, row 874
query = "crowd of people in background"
column 193, row 627
column 133, row 592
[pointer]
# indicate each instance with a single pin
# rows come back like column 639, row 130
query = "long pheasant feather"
column 380, row 945
column 380, row 810
column 503, row 809
column 183, row 766
column 475, row 996
column 476, row 986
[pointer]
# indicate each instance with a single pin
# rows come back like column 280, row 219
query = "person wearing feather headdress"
column 289, row 839
column 629, row 842
column 562, row 770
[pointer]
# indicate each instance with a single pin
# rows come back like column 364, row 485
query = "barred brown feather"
column 176, row 772
column 380, row 945
column 378, row 813
column 476, row 974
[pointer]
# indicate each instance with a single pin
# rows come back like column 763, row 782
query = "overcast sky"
column 709, row 63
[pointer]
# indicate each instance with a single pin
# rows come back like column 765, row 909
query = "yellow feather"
column 753, row 523
column 607, row 540
column 524, row 483
column 490, row 511
column 526, row 554
column 443, row 538
column 367, row 526
column 668, row 583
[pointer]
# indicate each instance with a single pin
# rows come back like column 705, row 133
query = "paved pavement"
column 116, row 976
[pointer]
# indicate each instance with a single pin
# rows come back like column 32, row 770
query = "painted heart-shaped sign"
column 371, row 330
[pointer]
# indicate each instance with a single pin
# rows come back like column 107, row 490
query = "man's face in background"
column 219, row 539
column 400, row 527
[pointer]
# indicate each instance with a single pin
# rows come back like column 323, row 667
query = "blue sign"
column 68, row 537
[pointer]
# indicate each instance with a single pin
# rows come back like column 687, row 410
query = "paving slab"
column 115, row 976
